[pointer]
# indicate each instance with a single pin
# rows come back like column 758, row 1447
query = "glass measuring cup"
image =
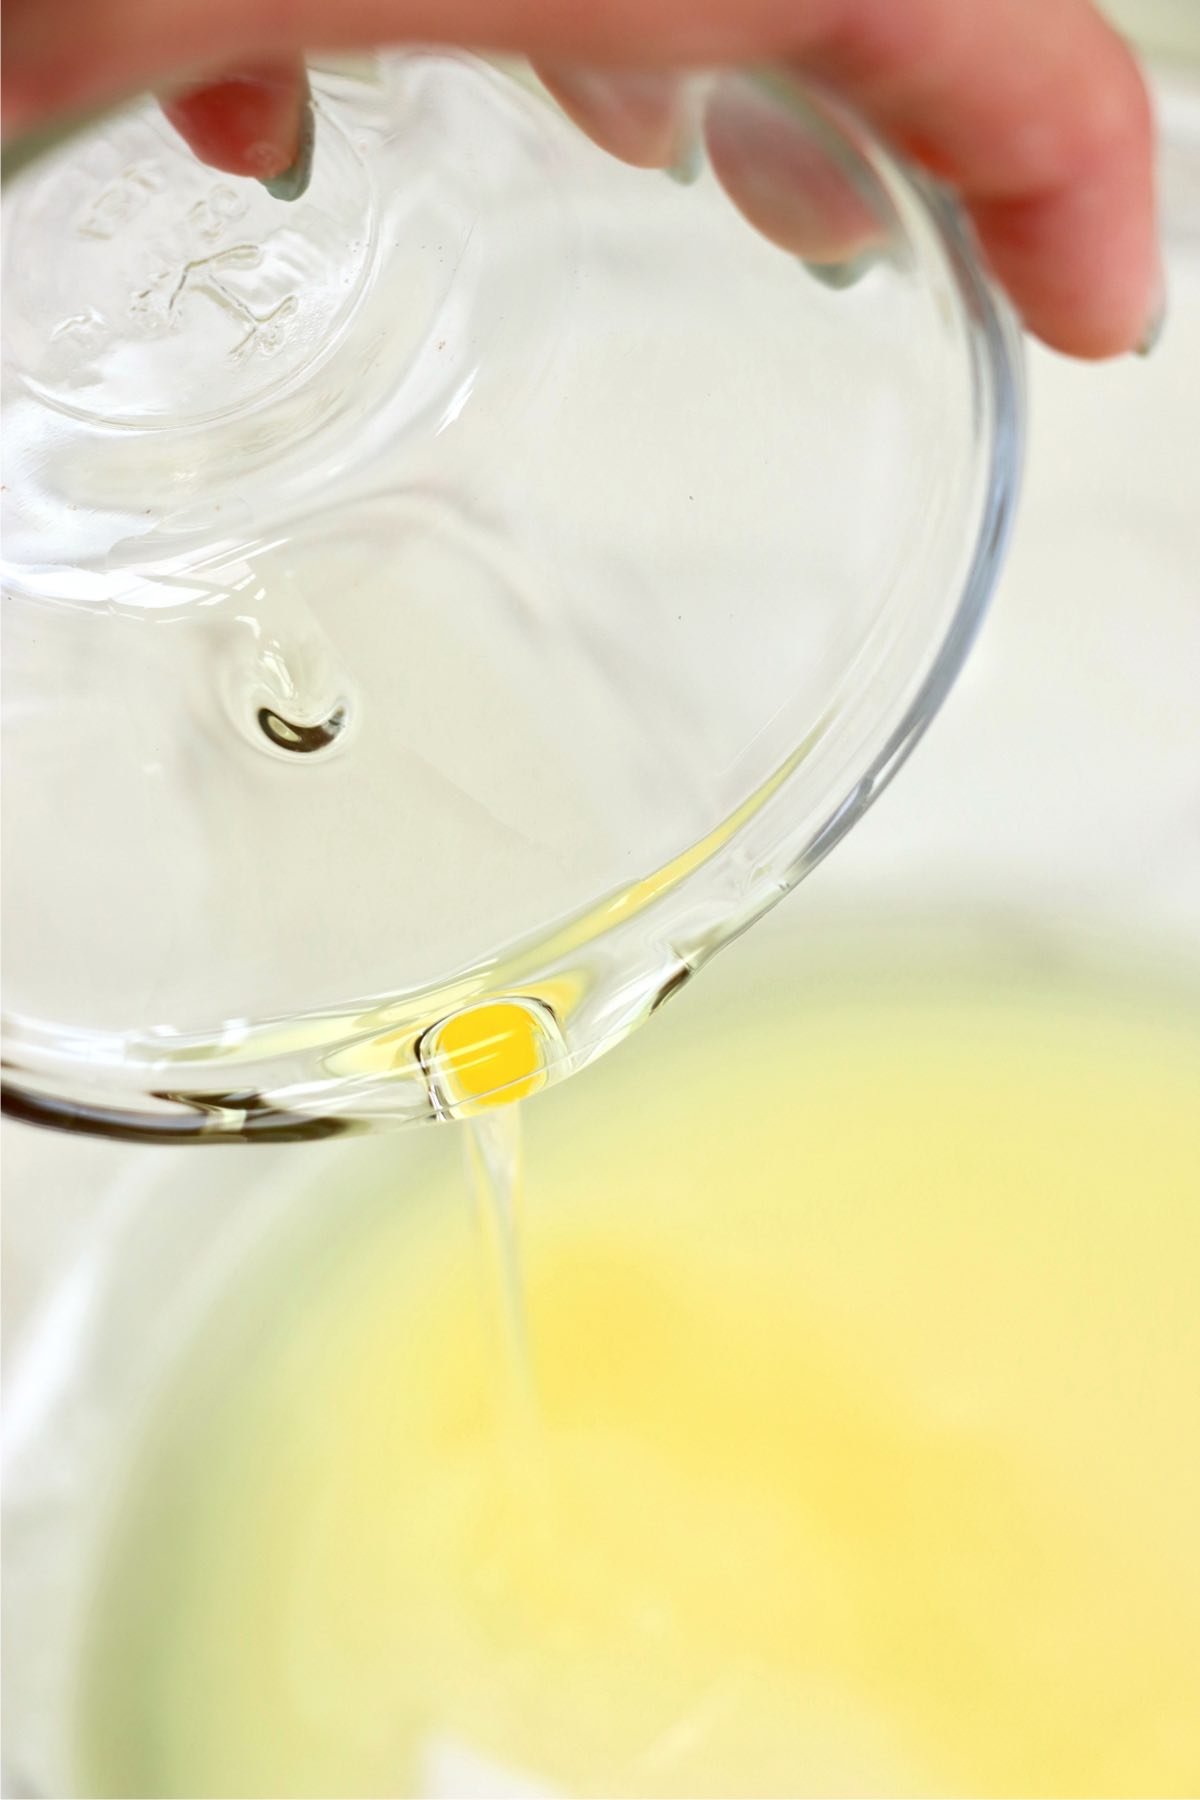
column 440, row 613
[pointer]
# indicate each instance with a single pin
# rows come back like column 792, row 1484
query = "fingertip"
column 254, row 123
column 777, row 166
column 1082, row 265
column 640, row 116
column 1080, row 255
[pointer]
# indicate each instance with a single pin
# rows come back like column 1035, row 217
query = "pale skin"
column 1034, row 110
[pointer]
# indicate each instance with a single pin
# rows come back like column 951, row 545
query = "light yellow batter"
column 866, row 1339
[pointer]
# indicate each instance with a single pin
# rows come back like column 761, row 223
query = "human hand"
column 1034, row 110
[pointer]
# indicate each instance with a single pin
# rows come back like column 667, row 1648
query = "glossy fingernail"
column 845, row 274
column 295, row 178
column 689, row 159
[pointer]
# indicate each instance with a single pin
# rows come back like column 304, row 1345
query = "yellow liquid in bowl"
column 865, row 1456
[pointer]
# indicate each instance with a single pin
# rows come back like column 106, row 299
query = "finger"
column 256, row 123
column 1082, row 262
column 1033, row 108
column 641, row 116
column 778, row 173
column 1038, row 114
column 777, row 167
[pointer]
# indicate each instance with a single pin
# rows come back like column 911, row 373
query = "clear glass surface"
column 486, row 583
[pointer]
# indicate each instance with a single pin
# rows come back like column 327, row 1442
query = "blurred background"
column 959, row 1063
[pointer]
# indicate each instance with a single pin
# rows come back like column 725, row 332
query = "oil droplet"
column 487, row 1055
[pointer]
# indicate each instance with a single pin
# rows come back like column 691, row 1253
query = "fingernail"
column 1154, row 327
column 689, row 159
column 295, row 178
column 846, row 274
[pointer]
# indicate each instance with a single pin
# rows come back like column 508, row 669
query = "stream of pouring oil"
column 494, row 1146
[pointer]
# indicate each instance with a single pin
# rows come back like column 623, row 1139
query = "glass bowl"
column 442, row 611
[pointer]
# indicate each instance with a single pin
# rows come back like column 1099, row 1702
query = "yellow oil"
column 863, row 1341
column 485, row 1057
